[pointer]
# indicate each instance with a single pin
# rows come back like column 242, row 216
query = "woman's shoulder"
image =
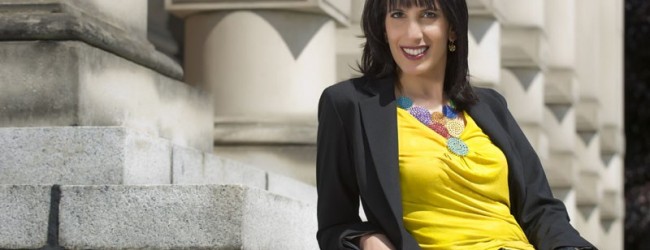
column 345, row 91
column 491, row 97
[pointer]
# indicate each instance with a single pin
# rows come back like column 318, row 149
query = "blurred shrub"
column 637, row 124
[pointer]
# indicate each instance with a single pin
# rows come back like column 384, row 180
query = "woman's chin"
column 413, row 71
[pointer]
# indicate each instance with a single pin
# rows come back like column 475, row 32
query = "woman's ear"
column 452, row 35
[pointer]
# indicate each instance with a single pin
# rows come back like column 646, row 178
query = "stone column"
column 484, row 43
column 523, row 47
column 265, row 63
column 588, row 110
column 349, row 44
column 561, row 91
column 610, row 125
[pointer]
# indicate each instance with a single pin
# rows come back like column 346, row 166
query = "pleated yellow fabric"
column 453, row 202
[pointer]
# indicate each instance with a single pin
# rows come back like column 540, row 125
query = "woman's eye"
column 397, row 14
column 429, row 14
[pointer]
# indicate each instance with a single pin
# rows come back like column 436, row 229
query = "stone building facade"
column 111, row 144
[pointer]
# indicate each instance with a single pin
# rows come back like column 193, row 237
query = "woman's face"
column 418, row 39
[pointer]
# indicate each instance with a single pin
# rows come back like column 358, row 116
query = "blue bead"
column 449, row 112
column 404, row 102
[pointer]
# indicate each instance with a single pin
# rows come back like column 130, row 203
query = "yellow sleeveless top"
column 453, row 202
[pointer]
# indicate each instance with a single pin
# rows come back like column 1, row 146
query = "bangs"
column 395, row 4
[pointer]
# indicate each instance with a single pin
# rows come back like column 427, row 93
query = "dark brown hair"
column 378, row 62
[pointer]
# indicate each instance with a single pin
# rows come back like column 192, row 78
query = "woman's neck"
column 424, row 91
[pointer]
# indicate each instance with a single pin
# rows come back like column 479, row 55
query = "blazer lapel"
column 486, row 120
column 379, row 117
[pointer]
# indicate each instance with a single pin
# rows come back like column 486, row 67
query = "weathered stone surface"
column 338, row 10
column 194, row 167
column 264, row 132
column 116, row 27
column 82, row 155
column 295, row 161
column 181, row 217
column 191, row 166
column 293, row 188
column 275, row 222
column 188, row 166
column 590, row 191
column 63, row 83
column 24, row 212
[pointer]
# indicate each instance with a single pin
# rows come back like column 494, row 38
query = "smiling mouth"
column 415, row 52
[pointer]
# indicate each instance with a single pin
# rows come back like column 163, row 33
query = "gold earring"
column 452, row 46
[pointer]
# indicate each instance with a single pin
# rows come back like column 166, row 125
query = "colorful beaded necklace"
column 448, row 124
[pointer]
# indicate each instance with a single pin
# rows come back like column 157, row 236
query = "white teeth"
column 414, row 52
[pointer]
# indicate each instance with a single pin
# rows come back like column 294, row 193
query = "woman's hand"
column 375, row 242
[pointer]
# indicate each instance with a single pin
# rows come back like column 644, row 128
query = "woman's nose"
column 414, row 30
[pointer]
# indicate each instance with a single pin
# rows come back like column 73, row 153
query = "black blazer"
column 357, row 158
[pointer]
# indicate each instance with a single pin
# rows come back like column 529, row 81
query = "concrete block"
column 82, row 156
column 64, row 83
column 520, row 13
column 537, row 138
column 194, row 167
column 292, row 188
column 188, row 166
column 338, row 10
column 126, row 14
column 587, row 148
column 588, row 224
column 233, row 131
column 588, row 114
column 295, row 161
column 611, row 237
column 612, row 206
column 24, row 213
column 183, row 217
column 560, row 119
column 523, row 47
column 562, row 169
column 484, row 50
column 560, row 86
column 227, row 171
column 106, row 25
column 524, row 91
column 191, row 166
column 589, row 190
column 612, row 139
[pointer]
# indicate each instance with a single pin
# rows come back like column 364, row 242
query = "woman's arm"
column 376, row 242
column 338, row 194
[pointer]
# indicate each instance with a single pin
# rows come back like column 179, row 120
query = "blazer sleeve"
column 338, row 193
column 544, row 219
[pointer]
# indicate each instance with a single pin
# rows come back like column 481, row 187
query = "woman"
column 436, row 163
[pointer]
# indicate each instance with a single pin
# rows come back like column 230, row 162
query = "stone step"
column 82, row 156
column 24, row 213
column 123, row 156
column 154, row 217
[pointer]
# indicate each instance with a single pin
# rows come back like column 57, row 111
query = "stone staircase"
column 102, row 146
column 114, row 188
